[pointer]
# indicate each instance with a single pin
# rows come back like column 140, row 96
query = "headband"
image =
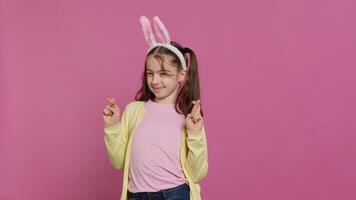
column 162, row 35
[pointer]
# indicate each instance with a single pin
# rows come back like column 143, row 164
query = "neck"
column 164, row 101
column 171, row 99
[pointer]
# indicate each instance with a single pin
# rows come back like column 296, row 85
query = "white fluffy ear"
column 147, row 30
column 161, row 31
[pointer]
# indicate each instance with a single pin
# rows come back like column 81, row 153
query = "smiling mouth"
column 157, row 89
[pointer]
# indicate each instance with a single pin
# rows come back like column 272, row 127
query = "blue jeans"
column 181, row 192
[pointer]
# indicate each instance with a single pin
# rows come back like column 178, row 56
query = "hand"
column 111, row 113
column 194, row 120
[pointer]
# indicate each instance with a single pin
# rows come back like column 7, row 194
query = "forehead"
column 154, row 64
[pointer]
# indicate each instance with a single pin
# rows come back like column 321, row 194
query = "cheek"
column 171, row 84
column 149, row 80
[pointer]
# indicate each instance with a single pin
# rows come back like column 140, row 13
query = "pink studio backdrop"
column 278, row 92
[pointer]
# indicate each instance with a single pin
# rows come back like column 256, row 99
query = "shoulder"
column 132, row 111
column 135, row 105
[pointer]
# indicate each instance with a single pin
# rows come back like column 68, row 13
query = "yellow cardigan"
column 118, row 141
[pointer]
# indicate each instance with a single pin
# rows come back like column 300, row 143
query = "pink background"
column 278, row 92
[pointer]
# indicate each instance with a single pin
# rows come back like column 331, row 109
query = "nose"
column 156, row 79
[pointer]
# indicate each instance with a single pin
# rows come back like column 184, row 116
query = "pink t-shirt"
column 155, row 156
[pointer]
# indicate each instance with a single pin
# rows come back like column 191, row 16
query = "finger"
column 113, row 109
column 190, row 117
column 197, row 115
column 107, row 112
column 111, row 101
column 198, row 107
column 199, row 119
column 196, row 101
column 194, row 109
column 107, row 115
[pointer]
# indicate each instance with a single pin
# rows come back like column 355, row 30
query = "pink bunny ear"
column 147, row 30
column 160, row 31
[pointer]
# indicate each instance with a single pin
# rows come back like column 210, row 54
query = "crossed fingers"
column 195, row 115
column 111, row 108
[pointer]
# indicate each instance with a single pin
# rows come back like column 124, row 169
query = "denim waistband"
column 159, row 193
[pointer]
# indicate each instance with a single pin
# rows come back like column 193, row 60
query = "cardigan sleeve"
column 116, row 138
column 197, row 158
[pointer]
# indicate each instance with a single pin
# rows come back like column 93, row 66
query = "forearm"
column 116, row 144
column 197, row 158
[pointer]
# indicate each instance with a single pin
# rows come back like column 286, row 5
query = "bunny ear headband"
column 162, row 35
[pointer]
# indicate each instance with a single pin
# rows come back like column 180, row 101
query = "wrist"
column 111, row 126
column 196, row 131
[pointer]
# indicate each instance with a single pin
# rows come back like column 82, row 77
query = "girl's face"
column 163, row 82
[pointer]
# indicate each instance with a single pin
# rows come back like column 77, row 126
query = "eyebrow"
column 162, row 70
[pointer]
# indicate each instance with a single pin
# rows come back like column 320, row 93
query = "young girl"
column 160, row 141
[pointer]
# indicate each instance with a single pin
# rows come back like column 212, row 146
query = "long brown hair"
column 191, row 88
